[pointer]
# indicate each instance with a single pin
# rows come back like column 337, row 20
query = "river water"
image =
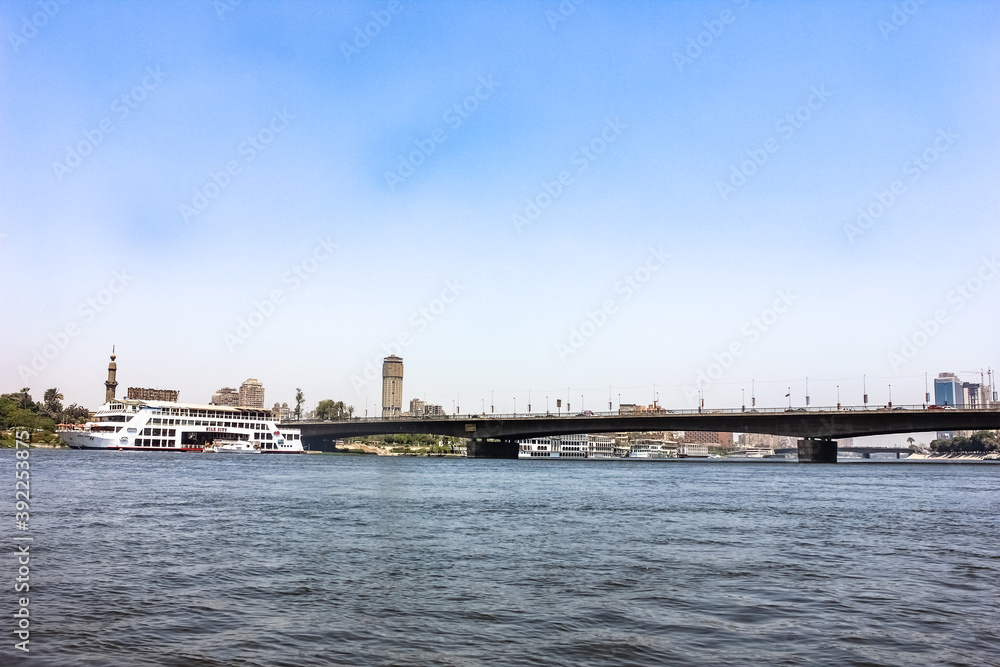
column 195, row 559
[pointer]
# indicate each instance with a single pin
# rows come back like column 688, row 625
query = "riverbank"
column 954, row 456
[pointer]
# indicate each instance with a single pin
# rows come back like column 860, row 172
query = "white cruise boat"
column 652, row 449
column 577, row 446
column 158, row 426
column 166, row 426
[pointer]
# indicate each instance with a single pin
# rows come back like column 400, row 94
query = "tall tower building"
column 252, row 394
column 392, row 387
column 111, row 384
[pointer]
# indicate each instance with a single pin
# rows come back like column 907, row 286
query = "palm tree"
column 53, row 401
column 24, row 399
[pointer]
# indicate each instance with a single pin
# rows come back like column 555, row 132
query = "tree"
column 24, row 399
column 299, row 400
column 330, row 409
column 12, row 415
column 326, row 409
column 53, row 401
column 981, row 441
column 75, row 414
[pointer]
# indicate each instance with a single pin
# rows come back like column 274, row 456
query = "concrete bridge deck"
column 818, row 427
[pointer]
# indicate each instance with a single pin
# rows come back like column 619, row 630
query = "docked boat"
column 168, row 426
column 152, row 426
column 576, row 446
column 233, row 447
column 759, row 453
column 652, row 449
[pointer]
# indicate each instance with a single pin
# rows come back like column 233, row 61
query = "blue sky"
column 838, row 105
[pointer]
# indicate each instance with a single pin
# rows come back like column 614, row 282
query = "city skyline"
column 511, row 198
column 504, row 401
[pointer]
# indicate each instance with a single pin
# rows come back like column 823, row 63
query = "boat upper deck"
column 126, row 407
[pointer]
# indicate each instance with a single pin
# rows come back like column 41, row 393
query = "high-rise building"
column 976, row 394
column 418, row 408
column 144, row 394
column 948, row 390
column 392, row 387
column 251, row 394
column 226, row 396
column 281, row 411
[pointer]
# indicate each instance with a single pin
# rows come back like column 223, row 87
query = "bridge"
column 866, row 452
column 496, row 436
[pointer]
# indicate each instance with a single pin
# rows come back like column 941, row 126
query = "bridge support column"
column 817, row 450
column 319, row 443
column 480, row 448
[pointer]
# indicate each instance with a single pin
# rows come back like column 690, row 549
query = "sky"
column 600, row 202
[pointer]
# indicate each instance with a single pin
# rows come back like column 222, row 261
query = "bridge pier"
column 319, row 443
column 817, row 450
column 481, row 448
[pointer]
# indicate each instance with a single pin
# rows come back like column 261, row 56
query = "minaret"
column 111, row 384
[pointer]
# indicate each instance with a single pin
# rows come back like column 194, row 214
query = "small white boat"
column 234, row 447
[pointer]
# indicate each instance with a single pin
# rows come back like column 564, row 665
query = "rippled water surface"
column 169, row 559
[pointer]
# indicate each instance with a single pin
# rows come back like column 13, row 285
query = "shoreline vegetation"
column 40, row 419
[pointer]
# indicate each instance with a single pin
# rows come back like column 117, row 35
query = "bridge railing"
column 653, row 413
